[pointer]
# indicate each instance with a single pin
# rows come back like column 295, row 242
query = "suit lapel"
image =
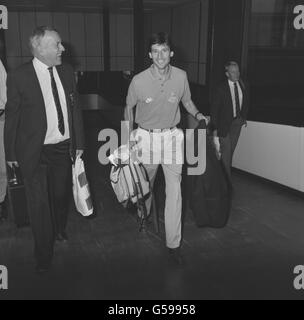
column 229, row 97
column 37, row 89
column 243, row 87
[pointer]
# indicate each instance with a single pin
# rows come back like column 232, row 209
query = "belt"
column 158, row 130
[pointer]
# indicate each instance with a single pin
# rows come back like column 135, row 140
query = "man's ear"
column 171, row 54
column 35, row 45
column 150, row 55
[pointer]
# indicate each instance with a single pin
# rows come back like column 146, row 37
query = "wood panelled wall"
column 121, row 42
column 82, row 35
column 188, row 26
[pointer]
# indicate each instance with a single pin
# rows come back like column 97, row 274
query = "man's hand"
column 132, row 144
column 79, row 153
column 201, row 117
column 217, row 146
column 12, row 163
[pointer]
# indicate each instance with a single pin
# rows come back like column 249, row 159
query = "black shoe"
column 62, row 237
column 175, row 256
column 42, row 268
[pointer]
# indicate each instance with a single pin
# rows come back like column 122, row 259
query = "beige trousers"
column 165, row 149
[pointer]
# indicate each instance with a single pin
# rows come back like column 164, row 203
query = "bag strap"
column 116, row 169
column 143, row 204
column 145, row 173
column 129, row 192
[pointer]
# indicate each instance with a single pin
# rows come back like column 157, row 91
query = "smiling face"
column 161, row 56
column 50, row 48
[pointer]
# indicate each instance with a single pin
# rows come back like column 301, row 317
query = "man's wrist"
column 196, row 114
column 199, row 117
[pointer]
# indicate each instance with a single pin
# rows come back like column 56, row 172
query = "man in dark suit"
column 229, row 111
column 43, row 132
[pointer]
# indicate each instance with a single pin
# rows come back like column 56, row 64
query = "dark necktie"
column 57, row 102
column 237, row 101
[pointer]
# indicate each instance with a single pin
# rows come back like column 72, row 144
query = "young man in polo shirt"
column 157, row 92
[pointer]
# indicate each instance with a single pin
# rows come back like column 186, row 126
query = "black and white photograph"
column 151, row 152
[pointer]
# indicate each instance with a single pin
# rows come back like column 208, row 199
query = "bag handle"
column 141, row 201
column 116, row 169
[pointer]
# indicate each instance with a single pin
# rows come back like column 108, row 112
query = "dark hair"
column 160, row 38
column 231, row 64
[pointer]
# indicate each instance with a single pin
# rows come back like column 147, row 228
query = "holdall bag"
column 209, row 196
column 130, row 182
column 81, row 190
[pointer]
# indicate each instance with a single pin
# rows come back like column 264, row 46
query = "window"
column 276, row 62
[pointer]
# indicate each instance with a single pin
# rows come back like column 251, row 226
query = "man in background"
column 43, row 131
column 229, row 111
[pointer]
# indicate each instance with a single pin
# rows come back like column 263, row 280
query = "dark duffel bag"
column 209, row 194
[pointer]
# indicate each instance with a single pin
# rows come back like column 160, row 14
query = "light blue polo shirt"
column 158, row 100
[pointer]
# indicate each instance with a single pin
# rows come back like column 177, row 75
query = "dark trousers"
column 229, row 143
column 48, row 194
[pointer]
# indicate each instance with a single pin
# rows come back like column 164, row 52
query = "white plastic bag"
column 81, row 190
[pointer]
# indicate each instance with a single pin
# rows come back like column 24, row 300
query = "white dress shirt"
column 53, row 135
column 231, row 85
column 2, row 86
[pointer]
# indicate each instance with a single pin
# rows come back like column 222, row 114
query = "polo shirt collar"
column 168, row 75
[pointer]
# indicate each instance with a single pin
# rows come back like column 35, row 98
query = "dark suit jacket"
column 25, row 116
column 222, row 108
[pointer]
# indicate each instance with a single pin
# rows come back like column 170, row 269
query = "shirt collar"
column 231, row 83
column 40, row 65
column 168, row 75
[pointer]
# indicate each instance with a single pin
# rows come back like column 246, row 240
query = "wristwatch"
column 1, row 112
column 197, row 115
